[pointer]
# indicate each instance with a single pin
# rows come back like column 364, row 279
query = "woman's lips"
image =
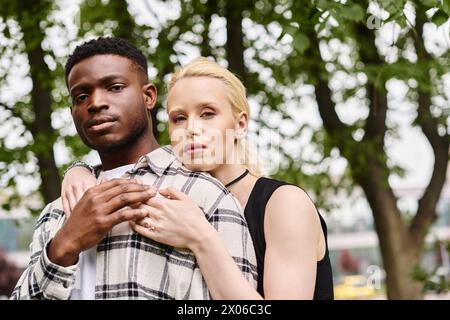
column 194, row 148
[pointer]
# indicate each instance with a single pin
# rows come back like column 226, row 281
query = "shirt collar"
column 158, row 160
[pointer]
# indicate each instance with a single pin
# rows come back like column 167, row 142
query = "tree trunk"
column 235, row 41
column 399, row 251
column 42, row 131
column 399, row 267
column 205, row 48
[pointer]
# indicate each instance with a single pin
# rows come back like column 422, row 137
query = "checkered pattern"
column 130, row 266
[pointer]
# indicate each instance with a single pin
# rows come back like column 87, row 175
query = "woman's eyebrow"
column 200, row 105
column 175, row 110
column 206, row 105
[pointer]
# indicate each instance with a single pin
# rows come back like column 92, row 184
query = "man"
column 94, row 253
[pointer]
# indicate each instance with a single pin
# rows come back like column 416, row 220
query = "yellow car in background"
column 354, row 287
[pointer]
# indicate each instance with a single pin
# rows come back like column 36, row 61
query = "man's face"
column 110, row 103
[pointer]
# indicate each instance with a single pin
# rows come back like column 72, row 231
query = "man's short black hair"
column 108, row 45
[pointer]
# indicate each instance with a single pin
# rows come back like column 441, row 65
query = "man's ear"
column 150, row 95
column 241, row 125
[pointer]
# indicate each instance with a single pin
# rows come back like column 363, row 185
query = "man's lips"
column 100, row 123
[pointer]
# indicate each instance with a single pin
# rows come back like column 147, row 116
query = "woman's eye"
column 208, row 115
column 178, row 119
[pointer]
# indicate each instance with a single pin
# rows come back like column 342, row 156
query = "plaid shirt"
column 130, row 266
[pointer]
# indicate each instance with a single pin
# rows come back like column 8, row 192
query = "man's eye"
column 117, row 87
column 80, row 98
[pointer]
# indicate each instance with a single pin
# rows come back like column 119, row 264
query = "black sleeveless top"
column 254, row 214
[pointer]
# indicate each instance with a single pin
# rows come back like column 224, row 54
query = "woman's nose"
column 194, row 127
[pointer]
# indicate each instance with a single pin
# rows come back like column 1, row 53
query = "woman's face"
column 202, row 126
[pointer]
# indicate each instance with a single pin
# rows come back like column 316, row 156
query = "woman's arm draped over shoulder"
column 179, row 222
column 75, row 183
column 291, row 255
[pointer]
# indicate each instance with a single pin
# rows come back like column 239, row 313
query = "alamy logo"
column 374, row 275
column 374, row 23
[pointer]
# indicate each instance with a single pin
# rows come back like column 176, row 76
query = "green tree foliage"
column 29, row 116
column 291, row 55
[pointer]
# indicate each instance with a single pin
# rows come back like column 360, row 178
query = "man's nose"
column 98, row 101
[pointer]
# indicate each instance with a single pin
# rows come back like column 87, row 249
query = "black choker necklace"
column 238, row 178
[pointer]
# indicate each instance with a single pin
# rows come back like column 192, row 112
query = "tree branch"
column 327, row 110
column 368, row 165
column 426, row 212
column 375, row 126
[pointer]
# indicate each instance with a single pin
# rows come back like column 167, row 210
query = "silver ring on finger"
column 146, row 224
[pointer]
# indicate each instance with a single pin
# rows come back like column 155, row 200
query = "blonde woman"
column 208, row 117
